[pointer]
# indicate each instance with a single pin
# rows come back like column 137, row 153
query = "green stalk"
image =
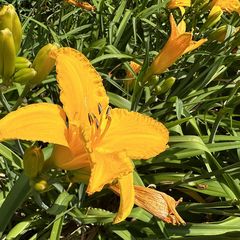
column 13, row 201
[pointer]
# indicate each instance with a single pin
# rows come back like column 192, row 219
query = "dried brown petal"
column 157, row 203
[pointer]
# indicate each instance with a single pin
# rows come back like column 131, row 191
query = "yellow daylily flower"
column 178, row 3
column 94, row 136
column 227, row 5
column 179, row 43
column 157, row 203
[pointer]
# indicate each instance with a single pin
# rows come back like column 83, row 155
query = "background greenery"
column 201, row 111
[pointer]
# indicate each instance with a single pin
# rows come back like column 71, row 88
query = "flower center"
column 99, row 124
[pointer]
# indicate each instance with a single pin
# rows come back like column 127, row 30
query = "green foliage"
column 201, row 111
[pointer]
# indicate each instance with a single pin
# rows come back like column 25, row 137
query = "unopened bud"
column 24, row 75
column 33, row 161
column 213, row 17
column 9, row 19
column 41, row 185
column 165, row 85
column 43, row 63
column 22, row 62
column 7, row 55
column 223, row 32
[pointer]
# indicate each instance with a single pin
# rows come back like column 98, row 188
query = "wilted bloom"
column 227, row 5
column 213, row 17
column 84, row 5
column 136, row 68
column 179, row 43
column 95, row 137
column 157, row 203
column 9, row 19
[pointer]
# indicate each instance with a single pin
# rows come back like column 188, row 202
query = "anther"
column 97, row 123
column 99, row 108
column 90, row 118
column 108, row 112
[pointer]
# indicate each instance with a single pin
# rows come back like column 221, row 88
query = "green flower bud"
column 33, row 161
column 41, row 185
column 9, row 19
column 24, row 75
column 213, row 17
column 165, row 85
column 43, row 63
column 22, row 62
column 7, row 55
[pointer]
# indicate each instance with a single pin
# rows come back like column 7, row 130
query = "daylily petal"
column 178, row 3
column 194, row 45
column 182, row 27
column 36, row 122
column 139, row 135
column 81, row 86
column 106, row 167
column 127, row 196
column 63, row 158
column 174, row 28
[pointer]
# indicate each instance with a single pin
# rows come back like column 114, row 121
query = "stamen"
column 109, row 119
column 108, row 112
column 90, row 118
column 96, row 121
column 99, row 108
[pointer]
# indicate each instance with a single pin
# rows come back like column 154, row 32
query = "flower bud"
column 24, row 75
column 9, row 19
column 33, row 161
column 219, row 34
column 22, row 62
column 7, row 55
column 41, row 185
column 213, row 17
column 165, row 85
column 43, row 63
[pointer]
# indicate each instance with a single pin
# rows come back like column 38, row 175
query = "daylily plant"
column 86, row 132
column 179, row 43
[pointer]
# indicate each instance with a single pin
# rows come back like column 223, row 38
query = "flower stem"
column 21, row 97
